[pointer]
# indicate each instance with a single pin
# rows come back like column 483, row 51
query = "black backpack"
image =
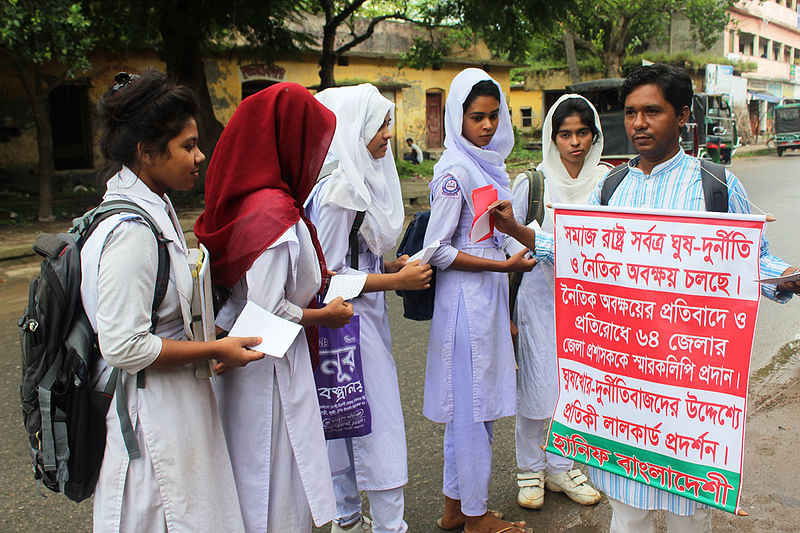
column 63, row 413
column 417, row 305
column 715, row 185
column 535, row 212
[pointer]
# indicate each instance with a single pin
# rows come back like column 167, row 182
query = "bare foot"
column 453, row 518
column 489, row 523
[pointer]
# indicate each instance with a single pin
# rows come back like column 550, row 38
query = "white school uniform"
column 183, row 481
column 380, row 457
column 537, row 387
column 485, row 309
column 269, row 408
column 462, row 168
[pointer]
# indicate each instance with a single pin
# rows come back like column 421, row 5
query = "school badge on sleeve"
column 450, row 187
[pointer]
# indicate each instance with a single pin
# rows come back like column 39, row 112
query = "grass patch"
column 22, row 209
column 755, row 153
column 18, row 209
column 407, row 170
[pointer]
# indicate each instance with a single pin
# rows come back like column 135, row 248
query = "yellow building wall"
column 21, row 152
column 531, row 94
column 17, row 119
column 520, row 97
column 225, row 77
column 410, row 86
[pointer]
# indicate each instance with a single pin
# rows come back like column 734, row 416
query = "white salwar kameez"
column 375, row 463
column 470, row 376
column 269, row 408
column 183, row 479
column 534, row 313
column 378, row 459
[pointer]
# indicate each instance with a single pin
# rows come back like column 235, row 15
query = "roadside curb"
column 16, row 252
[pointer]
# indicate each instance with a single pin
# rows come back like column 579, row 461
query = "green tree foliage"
column 507, row 27
column 47, row 41
column 359, row 17
column 607, row 31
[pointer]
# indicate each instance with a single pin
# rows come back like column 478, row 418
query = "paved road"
column 773, row 184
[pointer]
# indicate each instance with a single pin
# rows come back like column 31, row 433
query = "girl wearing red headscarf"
column 265, row 250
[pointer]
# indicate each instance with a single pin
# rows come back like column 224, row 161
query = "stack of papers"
column 202, row 304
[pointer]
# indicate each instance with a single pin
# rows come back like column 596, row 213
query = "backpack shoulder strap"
column 535, row 196
column 107, row 209
column 353, row 239
column 88, row 225
column 715, row 186
column 614, row 178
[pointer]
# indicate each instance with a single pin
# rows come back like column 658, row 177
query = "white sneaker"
column 531, row 489
column 363, row 524
column 575, row 485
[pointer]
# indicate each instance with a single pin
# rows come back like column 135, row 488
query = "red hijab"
column 264, row 166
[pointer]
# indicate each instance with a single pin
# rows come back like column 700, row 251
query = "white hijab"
column 564, row 188
column 473, row 166
column 360, row 182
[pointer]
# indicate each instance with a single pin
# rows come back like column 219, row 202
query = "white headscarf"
column 362, row 183
column 564, row 188
column 474, row 166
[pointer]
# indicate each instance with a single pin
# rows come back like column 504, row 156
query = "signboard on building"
column 261, row 71
column 720, row 80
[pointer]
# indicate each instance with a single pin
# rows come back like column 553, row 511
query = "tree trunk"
column 613, row 63
column 572, row 61
column 44, row 143
column 614, row 53
column 327, row 61
column 185, row 62
column 31, row 77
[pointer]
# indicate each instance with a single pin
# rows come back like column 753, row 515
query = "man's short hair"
column 409, row 140
column 675, row 84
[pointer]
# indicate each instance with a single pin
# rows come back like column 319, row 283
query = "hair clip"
column 123, row 79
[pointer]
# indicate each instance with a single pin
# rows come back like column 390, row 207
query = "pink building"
column 768, row 34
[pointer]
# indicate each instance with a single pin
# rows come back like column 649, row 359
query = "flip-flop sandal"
column 513, row 527
column 496, row 514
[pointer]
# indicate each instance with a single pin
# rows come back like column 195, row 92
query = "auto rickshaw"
column 787, row 127
column 715, row 122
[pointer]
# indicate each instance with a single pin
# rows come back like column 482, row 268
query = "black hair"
column 482, row 88
column 149, row 108
column 575, row 106
column 410, row 139
column 675, row 84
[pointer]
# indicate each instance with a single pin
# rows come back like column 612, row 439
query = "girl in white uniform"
column 572, row 143
column 183, row 479
column 470, row 379
column 265, row 250
column 365, row 179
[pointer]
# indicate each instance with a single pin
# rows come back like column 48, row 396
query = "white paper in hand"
column 277, row 334
column 348, row 286
column 425, row 254
column 781, row 279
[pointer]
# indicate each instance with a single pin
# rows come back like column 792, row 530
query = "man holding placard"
column 628, row 284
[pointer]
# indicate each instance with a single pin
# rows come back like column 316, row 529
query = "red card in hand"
column 482, row 223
